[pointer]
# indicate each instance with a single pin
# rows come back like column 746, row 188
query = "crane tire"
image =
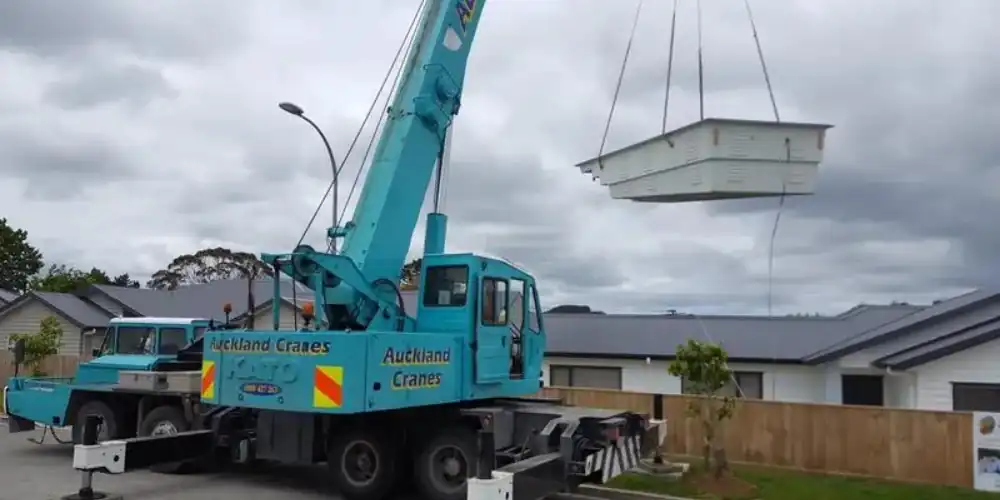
column 109, row 421
column 434, row 476
column 166, row 419
column 363, row 463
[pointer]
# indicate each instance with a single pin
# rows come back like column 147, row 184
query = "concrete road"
column 43, row 472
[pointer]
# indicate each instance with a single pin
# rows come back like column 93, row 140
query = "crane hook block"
column 715, row 159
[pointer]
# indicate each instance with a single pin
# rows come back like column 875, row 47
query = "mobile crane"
column 377, row 393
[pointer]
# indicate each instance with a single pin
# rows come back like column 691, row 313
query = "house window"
column 749, row 385
column 866, row 390
column 975, row 397
column 594, row 377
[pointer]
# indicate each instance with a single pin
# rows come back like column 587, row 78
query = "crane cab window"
column 446, row 286
column 494, row 301
column 531, row 297
column 172, row 340
column 135, row 340
column 516, row 309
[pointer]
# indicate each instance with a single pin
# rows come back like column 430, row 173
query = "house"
column 84, row 314
column 940, row 356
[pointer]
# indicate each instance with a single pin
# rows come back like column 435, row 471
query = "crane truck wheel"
column 108, row 429
column 165, row 420
column 362, row 463
column 444, row 463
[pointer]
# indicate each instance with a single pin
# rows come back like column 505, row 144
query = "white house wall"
column 781, row 382
column 862, row 360
column 980, row 364
column 264, row 320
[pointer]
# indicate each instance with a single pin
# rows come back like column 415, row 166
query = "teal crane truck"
column 379, row 393
column 132, row 377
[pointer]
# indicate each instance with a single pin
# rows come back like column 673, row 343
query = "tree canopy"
column 19, row 260
column 411, row 274
column 207, row 265
column 64, row 279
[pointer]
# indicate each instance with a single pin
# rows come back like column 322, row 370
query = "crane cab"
column 495, row 305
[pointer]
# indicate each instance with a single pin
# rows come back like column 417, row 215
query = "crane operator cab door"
column 496, row 342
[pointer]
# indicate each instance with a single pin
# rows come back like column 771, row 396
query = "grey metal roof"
column 887, row 331
column 783, row 339
column 941, row 347
column 744, row 337
column 7, row 296
column 75, row 309
column 203, row 301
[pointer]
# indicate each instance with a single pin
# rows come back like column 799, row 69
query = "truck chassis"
column 535, row 447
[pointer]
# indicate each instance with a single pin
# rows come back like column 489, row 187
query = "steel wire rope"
column 379, row 125
column 618, row 85
column 402, row 46
column 784, row 185
column 670, row 71
column 701, row 107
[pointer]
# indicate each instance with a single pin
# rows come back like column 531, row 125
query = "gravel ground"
column 44, row 472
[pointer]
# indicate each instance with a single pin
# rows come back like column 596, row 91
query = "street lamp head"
column 291, row 108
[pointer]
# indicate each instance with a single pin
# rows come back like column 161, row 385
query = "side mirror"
column 19, row 352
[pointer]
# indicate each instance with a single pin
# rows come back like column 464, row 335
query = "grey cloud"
column 96, row 84
column 60, row 164
column 909, row 165
column 52, row 28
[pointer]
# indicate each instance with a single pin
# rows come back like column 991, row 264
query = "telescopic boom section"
column 378, row 238
column 428, row 97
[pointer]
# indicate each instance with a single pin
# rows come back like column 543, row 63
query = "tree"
column 703, row 367
column 573, row 309
column 124, row 280
column 207, row 265
column 64, row 279
column 411, row 274
column 40, row 345
column 19, row 260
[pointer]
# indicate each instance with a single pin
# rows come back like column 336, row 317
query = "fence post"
column 658, row 415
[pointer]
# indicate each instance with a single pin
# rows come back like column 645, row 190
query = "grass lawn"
column 774, row 484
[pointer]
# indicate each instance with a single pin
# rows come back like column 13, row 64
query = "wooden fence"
column 898, row 444
column 53, row 366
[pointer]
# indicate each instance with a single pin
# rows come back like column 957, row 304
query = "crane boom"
column 429, row 96
column 378, row 238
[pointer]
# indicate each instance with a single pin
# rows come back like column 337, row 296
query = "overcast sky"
column 131, row 132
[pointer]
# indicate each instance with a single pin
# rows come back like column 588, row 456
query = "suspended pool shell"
column 715, row 159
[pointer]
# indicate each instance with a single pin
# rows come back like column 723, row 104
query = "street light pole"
column 295, row 110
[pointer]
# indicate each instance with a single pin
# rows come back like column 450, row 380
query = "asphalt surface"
column 43, row 472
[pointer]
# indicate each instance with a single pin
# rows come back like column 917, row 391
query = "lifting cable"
column 763, row 65
column 389, row 73
column 701, row 68
column 670, row 70
column 701, row 112
column 618, row 85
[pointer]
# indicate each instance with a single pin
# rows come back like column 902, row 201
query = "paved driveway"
column 43, row 472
